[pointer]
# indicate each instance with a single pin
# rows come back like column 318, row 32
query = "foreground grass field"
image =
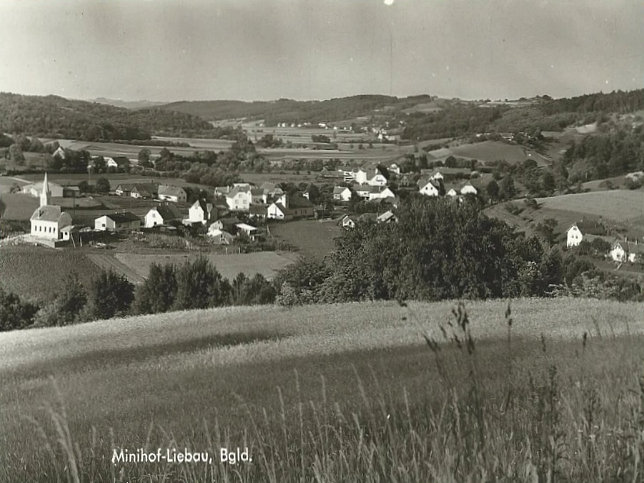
column 346, row 392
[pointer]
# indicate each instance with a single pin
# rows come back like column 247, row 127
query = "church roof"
column 47, row 213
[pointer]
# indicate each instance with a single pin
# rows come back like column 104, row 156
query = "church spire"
column 45, row 193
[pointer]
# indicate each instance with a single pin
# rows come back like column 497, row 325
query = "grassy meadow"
column 311, row 237
column 618, row 205
column 38, row 273
column 349, row 392
column 265, row 263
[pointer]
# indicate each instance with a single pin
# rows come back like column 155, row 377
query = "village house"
column 36, row 189
column 138, row 190
column 387, row 217
column 625, row 251
column 341, row 193
column 573, row 236
column 452, row 193
column 238, row 197
column 394, row 168
column 59, row 153
column 226, row 224
column 247, row 230
column 117, row 222
column 162, row 215
column 201, row 212
column 117, row 162
column 468, row 189
column 348, row 222
column 297, row 207
column 48, row 221
column 258, row 211
column 168, row 192
column 378, row 179
column 428, row 187
column 220, row 237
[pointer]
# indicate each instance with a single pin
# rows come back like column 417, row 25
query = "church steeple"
column 45, row 193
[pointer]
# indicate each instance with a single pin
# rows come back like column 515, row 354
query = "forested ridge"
column 57, row 117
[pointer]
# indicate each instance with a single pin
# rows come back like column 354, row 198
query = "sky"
column 165, row 50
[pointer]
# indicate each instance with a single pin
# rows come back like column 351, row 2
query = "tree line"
column 194, row 285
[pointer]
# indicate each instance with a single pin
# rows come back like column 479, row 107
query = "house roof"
column 386, row 216
column 339, row 189
column 47, row 213
column 168, row 211
column 299, row 201
column 424, row 181
column 123, row 217
column 255, row 209
column 256, row 192
column 171, row 190
column 245, row 227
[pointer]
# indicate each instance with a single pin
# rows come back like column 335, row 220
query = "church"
column 49, row 221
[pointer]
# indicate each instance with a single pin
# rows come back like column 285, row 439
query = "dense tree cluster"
column 54, row 116
column 198, row 285
column 605, row 155
column 438, row 250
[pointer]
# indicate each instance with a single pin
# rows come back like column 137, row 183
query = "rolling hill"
column 57, row 117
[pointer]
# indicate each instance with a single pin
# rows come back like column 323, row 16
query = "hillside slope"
column 57, row 117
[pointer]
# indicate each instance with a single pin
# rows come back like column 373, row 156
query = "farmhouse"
column 238, row 198
column 468, row 189
column 117, row 162
column 172, row 193
column 48, row 221
column 138, row 190
column 377, row 180
column 341, row 193
column 36, row 189
column 248, row 230
column 225, row 224
column 162, row 215
column 59, row 153
column 428, row 187
column 257, row 211
column 573, row 236
column 117, row 222
column 387, row 217
column 348, row 222
column 219, row 236
column 201, row 212
column 452, row 192
column 297, row 207
column 625, row 251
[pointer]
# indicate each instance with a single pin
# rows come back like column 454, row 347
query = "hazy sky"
column 318, row 49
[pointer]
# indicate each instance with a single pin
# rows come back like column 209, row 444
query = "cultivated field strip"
column 109, row 262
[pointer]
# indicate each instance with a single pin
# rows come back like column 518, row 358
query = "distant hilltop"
column 126, row 104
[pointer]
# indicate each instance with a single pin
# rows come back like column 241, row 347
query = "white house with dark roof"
column 201, row 212
column 117, row 222
column 428, row 187
column 168, row 192
column 341, row 193
column 574, row 236
column 162, row 215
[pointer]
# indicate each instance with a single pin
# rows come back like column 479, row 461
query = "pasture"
column 264, row 263
column 617, row 205
column 489, row 152
column 312, row 238
column 330, row 393
column 38, row 273
column 17, row 206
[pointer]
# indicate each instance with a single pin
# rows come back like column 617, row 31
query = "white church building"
column 49, row 221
